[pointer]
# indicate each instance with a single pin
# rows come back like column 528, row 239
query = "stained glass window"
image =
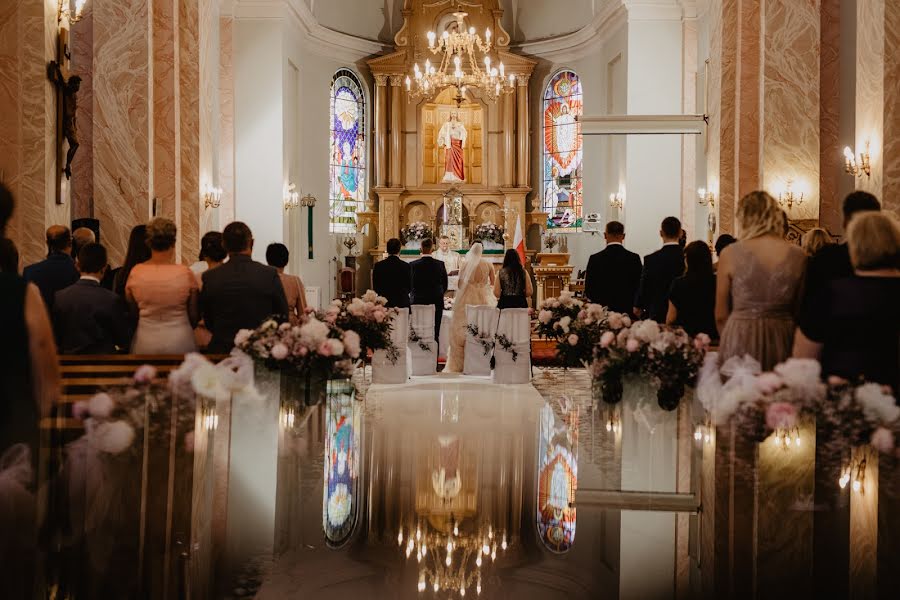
column 557, row 475
column 340, row 502
column 347, row 191
column 561, row 164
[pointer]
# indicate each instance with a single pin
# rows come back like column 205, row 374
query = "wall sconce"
column 706, row 197
column 292, row 198
column 856, row 167
column 65, row 10
column 703, row 434
column 212, row 195
column 788, row 198
column 617, row 200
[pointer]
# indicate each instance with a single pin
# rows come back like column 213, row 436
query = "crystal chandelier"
column 451, row 562
column 459, row 66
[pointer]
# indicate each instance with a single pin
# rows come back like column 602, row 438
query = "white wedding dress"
column 476, row 280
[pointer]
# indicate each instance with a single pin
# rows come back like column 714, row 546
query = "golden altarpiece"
column 411, row 182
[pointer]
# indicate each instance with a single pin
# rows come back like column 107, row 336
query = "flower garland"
column 370, row 319
column 486, row 341
column 505, row 343
column 416, row 231
column 415, row 338
column 489, row 232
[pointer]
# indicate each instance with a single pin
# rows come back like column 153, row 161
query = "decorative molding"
column 396, row 80
column 381, row 80
column 566, row 48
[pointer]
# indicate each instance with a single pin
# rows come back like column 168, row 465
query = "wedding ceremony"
column 436, row 299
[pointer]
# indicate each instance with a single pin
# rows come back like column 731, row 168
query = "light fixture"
column 291, row 197
column 788, row 198
column 458, row 66
column 854, row 473
column 65, row 10
column 617, row 200
column 787, row 438
column 857, row 166
column 706, row 197
column 212, row 195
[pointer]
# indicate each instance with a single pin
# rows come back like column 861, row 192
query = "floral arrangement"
column 369, row 319
column 448, row 303
column 415, row 338
column 317, row 345
column 779, row 400
column 115, row 418
column 489, row 232
column 505, row 343
column 416, row 231
column 575, row 326
column 485, row 339
column 556, row 315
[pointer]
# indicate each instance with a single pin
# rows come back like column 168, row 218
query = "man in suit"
column 89, row 319
column 660, row 270
column 241, row 293
column 613, row 274
column 57, row 271
column 428, row 283
column 391, row 277
column 81, row 237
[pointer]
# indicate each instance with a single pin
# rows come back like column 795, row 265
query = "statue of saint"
column 69, row 88
column 452, row 137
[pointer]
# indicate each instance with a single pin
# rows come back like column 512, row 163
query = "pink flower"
column 80, row 410
column 189, row 442
column 626, row 320
column 632, row 345
column 615, row 320
column 352, row 343
column 573, row 340
column 781, row 415
column 607, row 338
column 768, row 383
column 302, row 351
column 882, row 440
column 279, row 351
column 101, row 405
column 702, row 341
column 544, row 316
column 582, row 314
column 325, row 348
column 242, row 337
column 145, row 374
column 379, row 314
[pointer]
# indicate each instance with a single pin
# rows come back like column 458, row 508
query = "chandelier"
column 451, row 562
column 459, row 66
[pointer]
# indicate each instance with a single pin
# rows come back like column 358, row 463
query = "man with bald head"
column 57, row 271
column 81, row 237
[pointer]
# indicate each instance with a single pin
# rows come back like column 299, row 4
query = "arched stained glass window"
column 561, row 165
column 347, row 190
column 340, row 502
column 557, row 479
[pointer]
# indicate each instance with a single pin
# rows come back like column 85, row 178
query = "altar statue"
column 452, row 137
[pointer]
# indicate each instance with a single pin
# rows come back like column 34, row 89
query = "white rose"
column 646, row 331
column 313, row 333
column 337, row 347
column 207, row 381
column 876, row 404
column 544, row 316
column 351, row 343
column 114, row 437
column 101, row 405
column 800, row 372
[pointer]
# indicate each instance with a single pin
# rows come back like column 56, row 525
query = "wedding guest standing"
column 58, row 270
column 137, row 252
column 660, row 270
column 692, row 299
column 277, row 256
column 512, row 286
column 759, row 285
column 814, row 240
column 391, row 277
column 164, row 295
column 241, row 293
column 613, row 274
column 428, row 283
column 9, row 256
column 89, row 319
column 855, row 325
column 722, row 242
column 212, row 254
column 81, row 237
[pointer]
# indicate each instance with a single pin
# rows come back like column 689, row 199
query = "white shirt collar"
column 608, row 244
column 90, row 278
column 671, row 244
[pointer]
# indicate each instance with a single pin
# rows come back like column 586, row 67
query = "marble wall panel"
column 208, row 32
column 790, row 131
column 188, row 141
column 748, row 111
column 10, row 104
column 54, row 211
column 82, row 42
column 830, row 161
column 870, row 90
column 891, row 169
column 121, row 119
column 165, row 152
column 226, row 120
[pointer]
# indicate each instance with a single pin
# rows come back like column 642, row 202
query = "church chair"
column 515, row 325
column 476, row 359
column 383, row 370
column 421, row 344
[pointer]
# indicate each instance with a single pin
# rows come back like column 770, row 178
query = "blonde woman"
column 759, row 285
column 814, row 240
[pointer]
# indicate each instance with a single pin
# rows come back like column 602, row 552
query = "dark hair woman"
column 513, row 285
column 138, row 252
column 692, row 299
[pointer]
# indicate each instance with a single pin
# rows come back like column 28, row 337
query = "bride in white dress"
column 476, row 283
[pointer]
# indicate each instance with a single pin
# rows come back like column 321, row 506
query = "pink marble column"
column 82, row 43
column 891, row 171
column 729, row 60
column 748, row 115
column 830, row 161
column 188, row 142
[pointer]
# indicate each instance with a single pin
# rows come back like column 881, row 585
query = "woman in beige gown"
column 475, row 288
column 759, row 285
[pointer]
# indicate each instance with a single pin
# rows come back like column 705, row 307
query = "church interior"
column 334, row 126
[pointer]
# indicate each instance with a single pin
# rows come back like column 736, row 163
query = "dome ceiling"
column 525, row 20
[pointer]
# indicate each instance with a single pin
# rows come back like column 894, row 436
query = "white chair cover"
column 383, row 370
column 516, row 326
column 422, row 362
column 475, row 361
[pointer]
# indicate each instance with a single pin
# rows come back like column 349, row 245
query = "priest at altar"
column 449, row 257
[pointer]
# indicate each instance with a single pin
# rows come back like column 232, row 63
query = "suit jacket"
column 89, row 319
column 391, row 279
column 239, row 294
column 428, row 281
column 612, row 278
column 52, row 274
column 829, row 264
column 660, row 270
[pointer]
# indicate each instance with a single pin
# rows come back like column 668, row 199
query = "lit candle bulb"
column 502, row 69
column 487, row 62
column 446, row 34
column 857, row 485
column 408, row 83
column 471, row 31
column 512, row 79
column 431, row 39
column 487, row 34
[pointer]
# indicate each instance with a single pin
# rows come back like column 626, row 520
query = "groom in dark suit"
column 613, row 274
column 660, row 270
column 428, row 283
column 391, row 277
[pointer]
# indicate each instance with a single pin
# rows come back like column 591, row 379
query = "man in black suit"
column 57, row 271
column 613, row 274
column 241, row 293
column 391, row 277
column 428, row 283
column 87, row 318
column 660, row 270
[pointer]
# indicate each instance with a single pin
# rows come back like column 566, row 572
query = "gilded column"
column 509, row 123
column 396, row 134
column 380, row 130
column 522, row 131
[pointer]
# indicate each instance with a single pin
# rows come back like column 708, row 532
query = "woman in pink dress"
column 165, row 296
column 277, row 255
